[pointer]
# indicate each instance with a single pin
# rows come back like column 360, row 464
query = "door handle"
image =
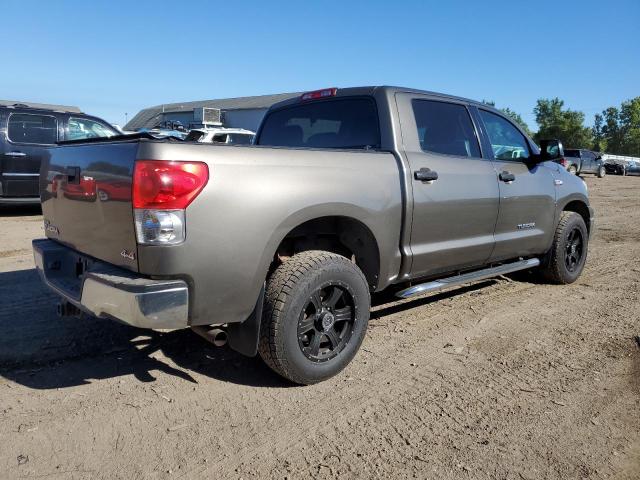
column 15, row 154
column 425, row 175
column 507, row 177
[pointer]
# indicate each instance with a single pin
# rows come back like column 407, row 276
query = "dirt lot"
column 508, row 379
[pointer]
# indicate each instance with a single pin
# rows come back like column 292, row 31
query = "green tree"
column 599, row 139
column 611, row 131
column 630, row 127
column 515, row 116
column 556, row 122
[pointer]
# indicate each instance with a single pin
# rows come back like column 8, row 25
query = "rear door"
column 28, row 136
column 588, row 161
column 526, row 218
column 454, row 215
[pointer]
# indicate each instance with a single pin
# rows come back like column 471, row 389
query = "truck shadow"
column 40, row 351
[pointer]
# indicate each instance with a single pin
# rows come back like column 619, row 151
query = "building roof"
column 41, row 106
column 149, row 117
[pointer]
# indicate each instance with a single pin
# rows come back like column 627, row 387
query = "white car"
column 221, row 135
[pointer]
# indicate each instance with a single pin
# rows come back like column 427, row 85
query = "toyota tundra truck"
column 279, row 245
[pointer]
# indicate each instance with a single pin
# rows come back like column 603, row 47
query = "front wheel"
column 565, row 260
column 601, row 172
column 315, row 316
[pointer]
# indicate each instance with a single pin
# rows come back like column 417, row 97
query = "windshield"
column 240, row 138
column 194, row 136
column 340, row 123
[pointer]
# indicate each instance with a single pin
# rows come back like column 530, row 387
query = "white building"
column 243, row 112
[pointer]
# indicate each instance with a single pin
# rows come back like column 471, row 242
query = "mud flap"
column 244, row 336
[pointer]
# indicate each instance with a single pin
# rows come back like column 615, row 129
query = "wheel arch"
column 341, row 234
column 580, row 207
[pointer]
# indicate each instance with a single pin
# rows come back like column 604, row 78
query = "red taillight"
column 327, row 92
column 165, row 185
column 563, row 162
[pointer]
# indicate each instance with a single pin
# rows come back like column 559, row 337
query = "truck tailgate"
column 86, row 200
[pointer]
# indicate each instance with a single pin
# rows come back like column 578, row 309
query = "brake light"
column 564, row 162
column 161, row 193
column 326, row 92
column 167, row 185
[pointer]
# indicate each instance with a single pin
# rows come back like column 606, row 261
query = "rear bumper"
column 105, row 291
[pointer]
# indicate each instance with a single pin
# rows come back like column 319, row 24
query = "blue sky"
column 111, row 57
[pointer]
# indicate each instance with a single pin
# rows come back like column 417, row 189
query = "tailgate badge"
column 127, row 254
column 50, row 227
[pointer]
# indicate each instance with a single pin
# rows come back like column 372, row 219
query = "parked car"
column 615, row 168
column 280, row 244
column 238, row 136
column 580, row 161
column 632, row 168
column 26, row 130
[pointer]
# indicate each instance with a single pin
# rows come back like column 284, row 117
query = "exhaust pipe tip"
column 217, row 336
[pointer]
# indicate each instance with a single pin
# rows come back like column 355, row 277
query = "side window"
column 445, row 128
column 31, row 128
column 506, row 140
column 81, row 128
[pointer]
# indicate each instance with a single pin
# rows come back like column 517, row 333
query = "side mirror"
column 551, row 150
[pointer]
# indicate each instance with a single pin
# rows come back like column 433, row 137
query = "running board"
column 457, row 280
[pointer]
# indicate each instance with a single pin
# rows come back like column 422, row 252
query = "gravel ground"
column 506, row 379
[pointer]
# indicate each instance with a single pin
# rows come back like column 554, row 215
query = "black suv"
column 579, row 161
column 26, row 130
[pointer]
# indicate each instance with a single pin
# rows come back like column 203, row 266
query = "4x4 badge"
column 127, row 254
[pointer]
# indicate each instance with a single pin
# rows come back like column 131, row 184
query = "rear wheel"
column 315, row 316
column 565, row 260
column 573, row 169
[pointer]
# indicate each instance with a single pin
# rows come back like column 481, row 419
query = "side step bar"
column 457, row 280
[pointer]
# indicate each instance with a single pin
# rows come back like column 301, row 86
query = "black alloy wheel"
column 326, row 322
column 573, row 249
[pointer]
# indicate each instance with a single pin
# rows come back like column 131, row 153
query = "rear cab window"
column 342, row 123
column 32, row 128
column 572, row 153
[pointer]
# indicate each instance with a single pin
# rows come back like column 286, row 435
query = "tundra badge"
column 51, row 228
column 526, row 226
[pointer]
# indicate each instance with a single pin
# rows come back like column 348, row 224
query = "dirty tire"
column 297, row 295
column 601, row 172
column 557, row 267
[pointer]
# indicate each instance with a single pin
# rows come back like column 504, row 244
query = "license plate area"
column 65, row 270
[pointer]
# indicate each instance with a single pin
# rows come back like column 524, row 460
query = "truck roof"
column 370, row 90
column 39, row 106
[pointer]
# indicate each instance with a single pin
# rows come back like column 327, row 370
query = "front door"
column 28, row 135
column 526, row 218
column 454, row 190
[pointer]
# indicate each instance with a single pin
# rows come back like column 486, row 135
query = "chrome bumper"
column 107, row 291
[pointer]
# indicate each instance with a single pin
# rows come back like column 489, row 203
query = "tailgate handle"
column 73, row 175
